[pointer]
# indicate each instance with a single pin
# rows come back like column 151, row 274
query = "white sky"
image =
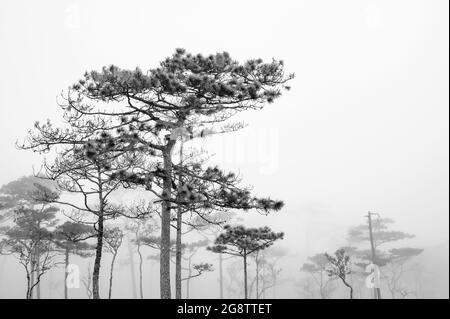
column 365, row 126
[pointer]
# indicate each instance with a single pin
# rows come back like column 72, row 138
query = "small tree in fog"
column 71, row 238
column 267, row 270
column 392, row 261
column 395, row 269
column 340, row 267
column 16, row 198
column 87, row 157
column 31, row 241
column 241, row 241
column 87, row 282
column 194, row 269
column 113, row 241
column 317, row 268
column 141, row 229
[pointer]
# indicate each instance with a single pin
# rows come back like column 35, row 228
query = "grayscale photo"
column 224, row 154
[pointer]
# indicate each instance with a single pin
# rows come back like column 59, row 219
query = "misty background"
column 364, row 128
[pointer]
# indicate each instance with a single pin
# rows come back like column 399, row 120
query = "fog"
column 363, row 128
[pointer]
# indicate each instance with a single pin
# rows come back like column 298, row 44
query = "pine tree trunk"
column 98, row 258
column 165, row 224
column 178, row 257
column 29, row 284
column 50, row 285
column 99, row 248
column 257, row 277
column 275, row 286
column 133, row 276
column 188, row 280
column 141, row 291
column 38, row 268
column 349, row 286
column 245, row 276
column 31, row 279
column 111, row 273
column 66, row 274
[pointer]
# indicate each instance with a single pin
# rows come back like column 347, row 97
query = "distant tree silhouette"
column 340, row 267
column 113, row 241
column 317, row 266
column 30, row 239
column 71, row 238
column 391, row 261
column 241, row 241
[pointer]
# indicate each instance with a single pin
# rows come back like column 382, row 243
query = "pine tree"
column 241, row 241
column 30, row 239
column 113, row 241
column 71, row 237
column 187, row 95
column 340, row 267
column 86, row 159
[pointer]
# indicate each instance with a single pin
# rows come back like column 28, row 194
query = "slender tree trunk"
column 257, row 277
column 89, row 282
column 66, row 274
column 322, row 292
column 275, row 286
column 220, row 276
column 132, row 273
column 165, row 224
column 29, row 284
column 111, row 273
column 50, row 285
column 31, row 279
column 38, row 268
column 178, row 256
column 264, row 284
column 98, row 258
column 349, row 286
column 188, row 280
column 99, row 248
column 141, row 291
column 245, row 276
